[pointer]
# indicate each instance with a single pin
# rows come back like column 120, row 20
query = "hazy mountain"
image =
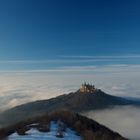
column 77, row 101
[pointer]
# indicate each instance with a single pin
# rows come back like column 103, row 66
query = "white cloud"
column 60, row 61
column 103, row 56
column 74, row 59
column 125, row 120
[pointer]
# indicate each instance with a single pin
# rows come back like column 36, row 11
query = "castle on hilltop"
column 87, row 88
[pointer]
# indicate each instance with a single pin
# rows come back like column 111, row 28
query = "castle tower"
column 87, row 88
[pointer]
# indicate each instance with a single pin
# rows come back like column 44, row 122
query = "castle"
column 87, row 88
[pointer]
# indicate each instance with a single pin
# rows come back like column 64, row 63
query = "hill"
column 79, row 101
column 61, row 123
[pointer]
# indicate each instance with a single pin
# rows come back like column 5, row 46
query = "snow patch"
column 34, row 134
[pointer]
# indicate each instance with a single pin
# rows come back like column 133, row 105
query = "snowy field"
column 34, row 134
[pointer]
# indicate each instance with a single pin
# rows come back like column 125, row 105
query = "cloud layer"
column 68, row 61
column 24, row 86
column 125, row 120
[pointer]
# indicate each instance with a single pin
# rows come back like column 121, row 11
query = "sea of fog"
column 124, row 120
column 21, row 87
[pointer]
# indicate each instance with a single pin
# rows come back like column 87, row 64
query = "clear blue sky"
column 49, row 29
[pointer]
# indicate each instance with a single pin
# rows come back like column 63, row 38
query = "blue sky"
column 41, row 30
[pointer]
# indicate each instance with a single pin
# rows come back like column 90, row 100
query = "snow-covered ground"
column 34, row 134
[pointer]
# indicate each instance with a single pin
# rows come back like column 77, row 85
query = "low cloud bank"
column 124, row 120
column 22, row 87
